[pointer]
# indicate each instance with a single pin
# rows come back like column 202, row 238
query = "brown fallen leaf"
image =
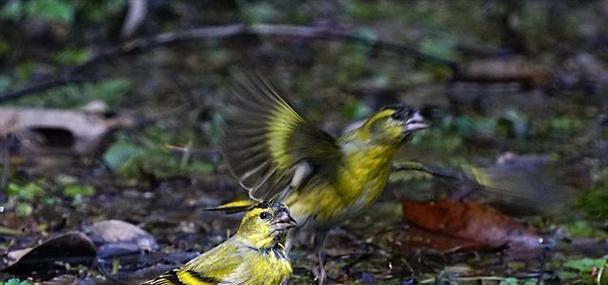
column 504, row 69
column 471, row 222
column 15, row 225
column 414, row 238
column 45, row 130
column 73, row 248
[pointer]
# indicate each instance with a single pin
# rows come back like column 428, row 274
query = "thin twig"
column 477, row 278
column 5, row 169
column 109, row 275
column 75, row 74
column 543, row 266
column 436, row 280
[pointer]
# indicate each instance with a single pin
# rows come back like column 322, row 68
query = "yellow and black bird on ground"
column 255, row 255
column 278, row 155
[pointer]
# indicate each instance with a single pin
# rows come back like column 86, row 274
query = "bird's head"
column 393, row 125
column 265, row 224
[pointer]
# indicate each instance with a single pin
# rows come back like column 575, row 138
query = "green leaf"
column 28, row 192
column 13, row 281
column 150, row 156
column 581, row 228
column 585, row 264
column 531, row 282
column 369, row 11
column 594, row 202
column 5, row 83
column 100, row 12
column 16, row 281
column 509, row 281
column 444, row 49
column 258, row 12
column 72, row 56
column 562, row 127
column 111, row 91
column 198, row 167
column 24, row 209
column 51, row 10
column 117, row 156
column 465, row 126
column 24, row 70
column 63, row 179
column 12, row 10
column 515, row 281
column 79, row 190
column 5, row 48
column 366, row 33
column 567, row 275
column 215, row 130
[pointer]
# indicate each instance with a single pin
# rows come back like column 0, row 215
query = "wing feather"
column 265, row 138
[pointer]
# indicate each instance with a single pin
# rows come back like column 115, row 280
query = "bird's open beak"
column 283, row 221
column 415, row 123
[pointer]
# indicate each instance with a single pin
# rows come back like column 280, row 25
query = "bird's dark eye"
column 397, row 116
column 264, row 215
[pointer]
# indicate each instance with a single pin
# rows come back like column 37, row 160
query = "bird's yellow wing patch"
column 234, row 206
column 190, row 277
column 282, row 124
column 265, row 137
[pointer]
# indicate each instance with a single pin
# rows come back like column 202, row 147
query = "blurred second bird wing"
column 535, row 189
column 268, row 145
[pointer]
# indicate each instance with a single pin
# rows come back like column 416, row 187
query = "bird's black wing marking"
column 202, row 278
column 266, row 138
column 168, row 278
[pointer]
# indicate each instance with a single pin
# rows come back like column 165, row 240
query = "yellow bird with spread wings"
column 278, row 155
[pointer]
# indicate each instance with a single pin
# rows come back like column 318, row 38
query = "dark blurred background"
column 113, row 109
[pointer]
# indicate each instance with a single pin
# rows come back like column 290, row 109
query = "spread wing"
column 535, row 189
column 267, row 144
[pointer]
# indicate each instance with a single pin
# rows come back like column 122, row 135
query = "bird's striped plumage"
column 188, row 277
column 253, row 256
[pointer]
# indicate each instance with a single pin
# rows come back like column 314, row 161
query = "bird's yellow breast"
column 267, row 269
column 359, row 182
column 233, row 262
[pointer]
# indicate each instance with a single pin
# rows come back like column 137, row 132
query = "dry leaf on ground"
column 477, row 225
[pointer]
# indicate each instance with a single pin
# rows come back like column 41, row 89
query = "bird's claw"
column 320, row 276
column 319, row 271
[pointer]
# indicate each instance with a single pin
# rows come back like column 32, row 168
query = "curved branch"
column 74, row 75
